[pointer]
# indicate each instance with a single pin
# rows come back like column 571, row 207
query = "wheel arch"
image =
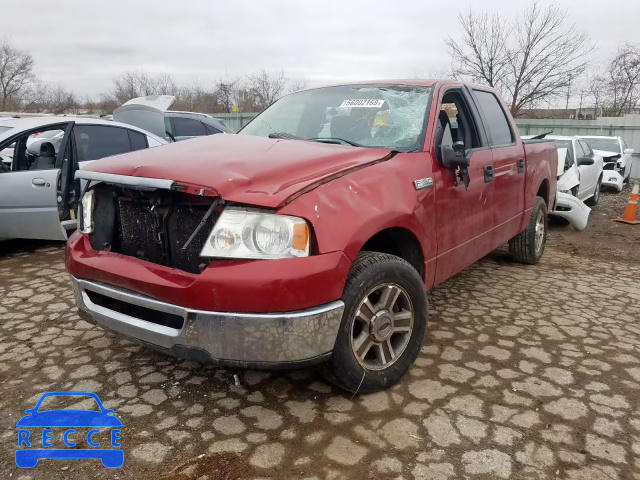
column 543, row 192
column 398, row 241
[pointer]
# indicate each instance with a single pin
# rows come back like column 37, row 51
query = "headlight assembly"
column 88, row 200
column 240, row 233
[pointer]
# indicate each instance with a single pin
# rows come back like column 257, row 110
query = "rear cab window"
column 497, row 124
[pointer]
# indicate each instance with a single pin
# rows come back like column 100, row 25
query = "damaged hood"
column 607, row 155
column 240, row 168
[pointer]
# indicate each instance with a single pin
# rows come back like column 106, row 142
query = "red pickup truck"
column 314, row 234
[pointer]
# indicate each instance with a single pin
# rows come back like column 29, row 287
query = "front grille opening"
column 153, row 226
column 154, row 316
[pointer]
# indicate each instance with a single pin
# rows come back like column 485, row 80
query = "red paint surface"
column 226, row 286
column 353, row 193
column 241, row 168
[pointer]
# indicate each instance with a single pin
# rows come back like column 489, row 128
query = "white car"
column 616, row 156
column 38, row 194
column 580, row 169
column 579, row 173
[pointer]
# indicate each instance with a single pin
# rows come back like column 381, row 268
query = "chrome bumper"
column 254, row 340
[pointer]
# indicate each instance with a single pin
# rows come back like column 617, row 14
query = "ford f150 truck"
column 314, row 235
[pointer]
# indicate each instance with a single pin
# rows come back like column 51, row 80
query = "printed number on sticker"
column 363, row 102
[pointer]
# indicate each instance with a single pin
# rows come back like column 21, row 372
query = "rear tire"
column 383, row 326
column 527, row 247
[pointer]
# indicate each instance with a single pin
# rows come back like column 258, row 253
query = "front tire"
column 383, row 326
column 527, row 247
column 595, row 198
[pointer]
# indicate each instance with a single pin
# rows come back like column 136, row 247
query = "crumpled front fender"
column 574, row 210
column 569, row 179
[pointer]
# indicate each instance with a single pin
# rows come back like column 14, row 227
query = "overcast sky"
column 84, row 44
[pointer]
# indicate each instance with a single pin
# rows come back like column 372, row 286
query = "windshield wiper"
column 286, row 136
column 335, row 140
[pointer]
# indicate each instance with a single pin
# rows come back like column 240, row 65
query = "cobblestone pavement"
column 528, row 372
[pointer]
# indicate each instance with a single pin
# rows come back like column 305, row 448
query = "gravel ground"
column 528, row 372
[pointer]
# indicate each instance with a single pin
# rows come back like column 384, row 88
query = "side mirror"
column 628, row 151
column 454, row 156
column 585, row 161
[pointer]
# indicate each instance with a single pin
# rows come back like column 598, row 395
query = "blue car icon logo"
column 41, row 431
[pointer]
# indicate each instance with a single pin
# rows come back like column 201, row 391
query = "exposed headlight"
column 87, row 212
column 239, row 233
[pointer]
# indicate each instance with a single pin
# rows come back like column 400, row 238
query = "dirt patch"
column 226, row 466
column 603, row 238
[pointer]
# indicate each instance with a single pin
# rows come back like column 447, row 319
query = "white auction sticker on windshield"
column 363, row 103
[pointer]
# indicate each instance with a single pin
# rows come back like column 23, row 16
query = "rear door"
column 508, row 164
column 29, row 196
column 464, row 217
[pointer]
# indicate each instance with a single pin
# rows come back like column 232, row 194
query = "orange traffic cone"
column 629, row 215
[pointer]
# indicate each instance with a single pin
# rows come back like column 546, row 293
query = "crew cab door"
column 508, row 164
column 464, row 217
column 29, row 192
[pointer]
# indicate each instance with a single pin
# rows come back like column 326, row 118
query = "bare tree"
column 297, row 85
column 266, row 88
column 598, row 91
column 132, row 84
column 226, row 91
column 45, row 98
column 16, row 73
column 624, row 78
column 481, row 54
column 531, row 58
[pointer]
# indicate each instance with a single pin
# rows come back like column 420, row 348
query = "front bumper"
column 612, row 179
column 250, row 340
column 574, row 210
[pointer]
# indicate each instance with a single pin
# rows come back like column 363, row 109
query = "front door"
column 29, row 192
column 464, row 216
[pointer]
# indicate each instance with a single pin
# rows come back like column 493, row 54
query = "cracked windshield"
column 390, row 117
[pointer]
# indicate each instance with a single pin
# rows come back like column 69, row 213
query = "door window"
column 496, row 121
column 138, row 140
column 188, row 127
column 33, row 151
column 99, row 141
column 455, row 123
column 212, row 130
column 586, row 148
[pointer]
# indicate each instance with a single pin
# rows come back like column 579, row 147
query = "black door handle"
column 521, row 165
column 488, row 174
